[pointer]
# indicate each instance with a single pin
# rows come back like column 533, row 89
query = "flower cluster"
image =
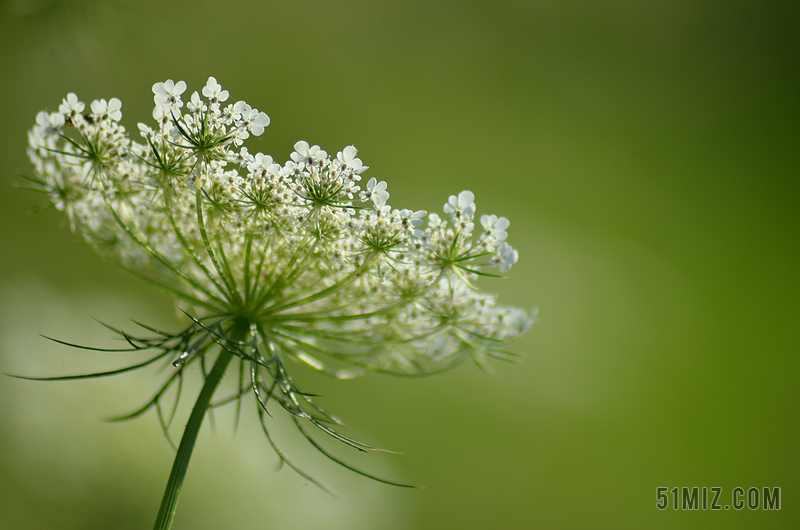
column 301, row 260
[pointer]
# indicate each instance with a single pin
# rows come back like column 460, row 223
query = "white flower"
column 408, row 219
column 518, row 320
column 260, row 162
column 435, row 222
column 291, row 168
column 461, row 206
column 505, row 257
column 375, row 192
column 307, row 155
column 251, row 119
column 214, row 93
column 462, row 210
column 243, row 157
column 48, row 124
column 111, row 109
column 494, row 229
column 346, row 159
column 196, row 104
column 169, row 93
column 71, row 105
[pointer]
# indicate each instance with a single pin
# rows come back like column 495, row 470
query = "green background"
column 647, row 156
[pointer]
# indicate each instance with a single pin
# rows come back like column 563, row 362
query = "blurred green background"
column 647, row 155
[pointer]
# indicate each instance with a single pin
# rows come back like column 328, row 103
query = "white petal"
column 301, row 147
column 465, row 199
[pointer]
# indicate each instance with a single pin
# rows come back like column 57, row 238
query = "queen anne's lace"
column 299, row 259
column 320, row 266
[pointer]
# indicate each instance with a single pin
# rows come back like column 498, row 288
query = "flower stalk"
column 169, row 503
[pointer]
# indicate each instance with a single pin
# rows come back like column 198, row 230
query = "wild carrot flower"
column 268, row 261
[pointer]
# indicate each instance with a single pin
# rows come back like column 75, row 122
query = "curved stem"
column 169, row 502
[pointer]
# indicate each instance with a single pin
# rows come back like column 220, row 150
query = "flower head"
column 274, row 261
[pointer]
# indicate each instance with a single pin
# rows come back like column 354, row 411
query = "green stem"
column 169, row 502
